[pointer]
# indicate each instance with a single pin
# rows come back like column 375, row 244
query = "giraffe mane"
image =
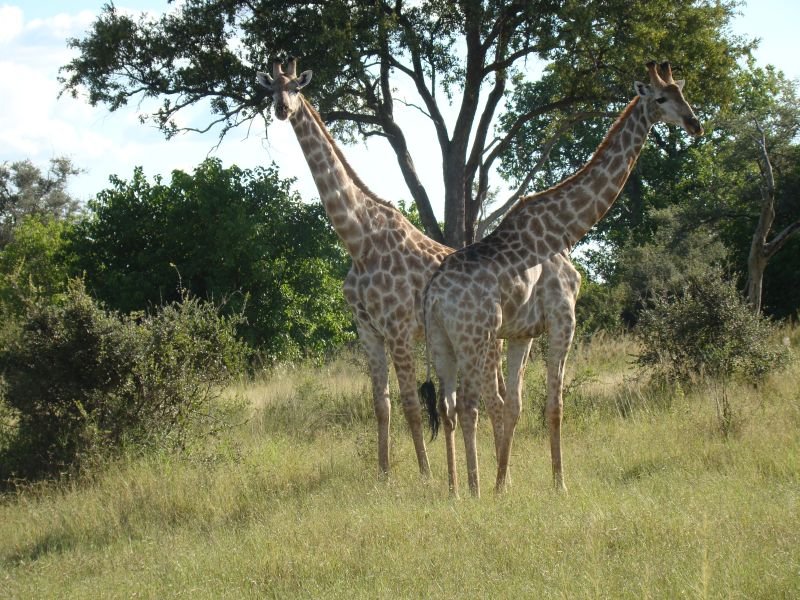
column 348, row 169
column 588, row 165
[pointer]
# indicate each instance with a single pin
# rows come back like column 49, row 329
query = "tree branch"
column 523, row 186
column 524, row 118
column 780, row 240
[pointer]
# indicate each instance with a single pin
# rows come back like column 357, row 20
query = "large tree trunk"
column 756, row 263
column 454, row 213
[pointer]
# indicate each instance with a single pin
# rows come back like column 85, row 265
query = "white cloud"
column 62, row 25
column 11, row 19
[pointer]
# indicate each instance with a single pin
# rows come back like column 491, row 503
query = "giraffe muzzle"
column 693, row 126
column 281, row 111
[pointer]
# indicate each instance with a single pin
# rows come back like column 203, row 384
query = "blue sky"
column 36, row 124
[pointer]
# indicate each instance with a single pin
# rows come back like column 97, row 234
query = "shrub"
column 36, row 262
column 84, row 382
column 707, row 330
column 230, row 233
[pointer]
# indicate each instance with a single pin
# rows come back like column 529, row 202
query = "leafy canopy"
column 459, row 63
column 221, row 233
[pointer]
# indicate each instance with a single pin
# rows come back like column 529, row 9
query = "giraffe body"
column 518, row 281
column 391, row 260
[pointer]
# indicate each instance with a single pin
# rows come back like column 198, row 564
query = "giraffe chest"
column 386, row 292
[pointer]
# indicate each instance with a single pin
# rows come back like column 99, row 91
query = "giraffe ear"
column 642, row 89
column 303, row 80
column 680, row 83
column 264, row 79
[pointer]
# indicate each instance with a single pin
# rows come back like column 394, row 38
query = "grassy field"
column 668, row 498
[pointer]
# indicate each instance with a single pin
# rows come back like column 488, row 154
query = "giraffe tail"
column 427, row 394
column 427, row 391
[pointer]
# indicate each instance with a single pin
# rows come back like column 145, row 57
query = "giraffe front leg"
column 379, row 376
column 402, row 356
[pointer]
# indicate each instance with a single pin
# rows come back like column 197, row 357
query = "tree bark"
column 762, row 251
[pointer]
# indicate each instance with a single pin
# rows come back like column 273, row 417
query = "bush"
column 598, row 307
column 81, row 382
column 35, row 263
column 707, row 330
column 230, row 233
column 678, row 251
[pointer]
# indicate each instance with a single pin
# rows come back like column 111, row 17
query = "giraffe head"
column 284, row 87
column 664, row 99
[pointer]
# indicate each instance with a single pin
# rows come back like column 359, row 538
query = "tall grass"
column 661, row 504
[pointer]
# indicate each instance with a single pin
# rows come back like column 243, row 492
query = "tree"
column 761, row 251
column 35, row 263
column 746, row 182
column 221, row 233
column 462, row 57
column 766, row 122
column 25, row 190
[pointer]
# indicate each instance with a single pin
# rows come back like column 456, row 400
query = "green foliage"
column 25, row 190
column 223, row 233
column 707, row 331
column 618, row 284
column 599, row 307
column 205, row 53
column 80, row 382
column 36, row 262
column 410, row 211
column 678, row 251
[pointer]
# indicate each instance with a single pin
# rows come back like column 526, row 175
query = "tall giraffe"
column 496, row 287
column 392, row 259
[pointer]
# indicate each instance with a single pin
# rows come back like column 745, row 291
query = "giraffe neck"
column 343, row 195
column 563, row 214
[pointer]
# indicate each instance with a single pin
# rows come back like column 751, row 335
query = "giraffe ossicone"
column 518, row 282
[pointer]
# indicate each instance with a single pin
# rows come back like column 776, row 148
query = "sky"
column 36, row 124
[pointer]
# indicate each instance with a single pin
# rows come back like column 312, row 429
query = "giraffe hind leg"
column 517, row 359
column 445, row 365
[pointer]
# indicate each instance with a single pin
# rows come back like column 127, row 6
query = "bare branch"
column 780, row 240
column 415, row 106
column 528, row 116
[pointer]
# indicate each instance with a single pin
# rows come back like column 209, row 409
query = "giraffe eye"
column 661, row 100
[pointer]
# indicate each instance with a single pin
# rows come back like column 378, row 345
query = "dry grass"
column 661, row 504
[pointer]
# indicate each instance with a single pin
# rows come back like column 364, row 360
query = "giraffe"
column 391, row 259
column 499, row 288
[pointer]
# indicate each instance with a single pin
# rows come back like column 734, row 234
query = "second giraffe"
column 497, row 289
